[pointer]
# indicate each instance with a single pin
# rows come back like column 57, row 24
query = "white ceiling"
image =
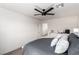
column 69, row 9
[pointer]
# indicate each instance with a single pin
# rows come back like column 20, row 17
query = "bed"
column 39, row 47
column 42, row 47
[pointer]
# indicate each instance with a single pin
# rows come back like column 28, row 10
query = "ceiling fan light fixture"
column 60, row 5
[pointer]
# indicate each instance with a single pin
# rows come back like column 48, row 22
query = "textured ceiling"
column 69, row 9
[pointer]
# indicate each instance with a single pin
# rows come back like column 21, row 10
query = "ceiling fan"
column 44, row 12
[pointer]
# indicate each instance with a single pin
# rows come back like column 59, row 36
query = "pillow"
column 62, row 45
column 52, row 35
column 76, row 33
column 55, row 40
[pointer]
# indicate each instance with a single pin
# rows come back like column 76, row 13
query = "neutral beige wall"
column 60, row 24
column 16, row 30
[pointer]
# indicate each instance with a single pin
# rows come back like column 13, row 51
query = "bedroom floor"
column 15, row 52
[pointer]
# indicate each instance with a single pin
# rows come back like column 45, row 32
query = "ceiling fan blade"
column 38, row 10
column 37, row 14
column 49, row 9
column 50, row 14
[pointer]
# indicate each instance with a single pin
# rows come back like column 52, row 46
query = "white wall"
column 60, row 24
column 16, row 30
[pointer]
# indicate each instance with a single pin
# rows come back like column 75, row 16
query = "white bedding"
column 62, row 45
column 61, row 42
column 55, row 40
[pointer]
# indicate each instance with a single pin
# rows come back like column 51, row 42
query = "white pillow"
column 76, row 33
column 62, row 45
column 52, row 35
column 55, row 40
